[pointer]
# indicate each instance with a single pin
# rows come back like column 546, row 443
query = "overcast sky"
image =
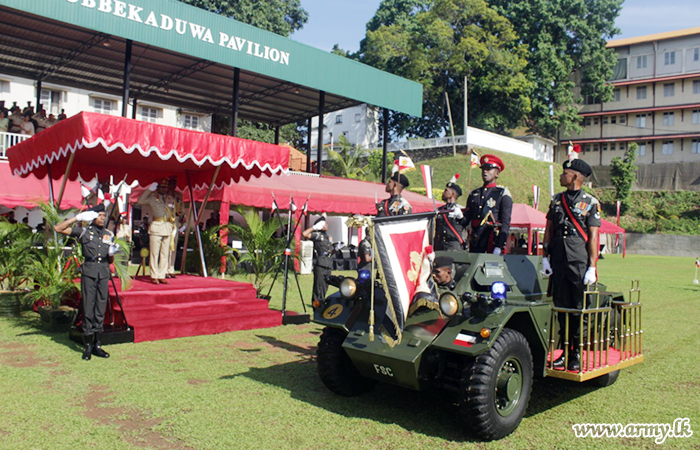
column 343, row 22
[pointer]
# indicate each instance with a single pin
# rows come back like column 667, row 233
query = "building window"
column 696, row 87
column 696, row 54
column 595, row 121
column 623, row 119
column 694, row 146
column 4, row 87
column 667, row 148
column 605, row 147
column 595, row 147
column 190, row 122
column 101, row 105
column 641, row 121
column 641, row 148
column 338, row 119
column 605, row 120
column 641, row 92
column 669, row 58
column 149, row 114
column 642, row 62
column 668, row 119
column 358, row 118
column 613, row 119
column 587, row 121
column 696, row 116
column 616, row 95
column 669, row 89
column 586, row 148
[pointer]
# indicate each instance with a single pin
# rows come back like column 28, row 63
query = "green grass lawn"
column 258, row 389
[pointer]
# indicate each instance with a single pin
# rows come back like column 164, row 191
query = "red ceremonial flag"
column 697, row 262
column 428, row 179
column 401, row 242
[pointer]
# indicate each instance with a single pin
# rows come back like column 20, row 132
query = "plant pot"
column 57, row 320
column 9, row 304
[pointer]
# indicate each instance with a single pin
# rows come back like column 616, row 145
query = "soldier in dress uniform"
column 365, row 252
column 450, row 220
column 161, row 229
column 98, row 249
column 174, row 200
column 571, row 251
column 489, row 209
column 323, row 248
column 395, row 205
column 443, row 274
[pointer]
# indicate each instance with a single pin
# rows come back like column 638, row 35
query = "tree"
column 374, row 163
column 563, row 37
column 347, row 161
column 282, row 17
column 439, row 43
column 623, row 173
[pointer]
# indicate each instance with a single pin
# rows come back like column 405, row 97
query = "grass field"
column 258, row 389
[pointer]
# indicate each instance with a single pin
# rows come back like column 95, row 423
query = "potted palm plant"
column 16, row 241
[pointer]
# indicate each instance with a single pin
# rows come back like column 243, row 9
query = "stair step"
column 193, row 309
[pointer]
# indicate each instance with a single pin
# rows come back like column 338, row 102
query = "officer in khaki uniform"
column 161, row 229
column 175, row 203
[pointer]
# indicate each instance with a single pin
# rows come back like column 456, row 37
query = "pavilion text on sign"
column 182, row 27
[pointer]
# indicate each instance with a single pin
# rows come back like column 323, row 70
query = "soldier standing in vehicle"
column 450, row 220
column 395, row 205
column 98, row 248
column 365, row 252
column 571, row 252
column 323, row 248
column 489, row 209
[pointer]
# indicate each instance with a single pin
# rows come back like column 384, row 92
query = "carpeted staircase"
column 192, row 306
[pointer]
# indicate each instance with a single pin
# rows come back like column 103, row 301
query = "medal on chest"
column 491, row 203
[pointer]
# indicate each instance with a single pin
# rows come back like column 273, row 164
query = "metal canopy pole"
column 236, row 95
column 308, row 148
column 65, row 179
column 127, row 78
column 277, row 135
column 385, row 142
column 133, row 110
column 196, row 217
column 321, row 106
column 187, row 235
column 38, row 95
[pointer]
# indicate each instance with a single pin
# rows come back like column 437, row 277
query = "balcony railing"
column 7, row 140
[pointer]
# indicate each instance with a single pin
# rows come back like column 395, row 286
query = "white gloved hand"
column 590, row 277
column 319, row 226
column 456, row 213
column 546, row 267
column 113, row 249
column 497, row 251
column 153, row 186
column 87, row 216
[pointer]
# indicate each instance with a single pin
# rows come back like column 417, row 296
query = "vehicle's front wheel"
column 335, row 368
column 495, row 388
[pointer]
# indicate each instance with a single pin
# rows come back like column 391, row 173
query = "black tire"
column 607, row 379
column 496, row 387
column 335, row 368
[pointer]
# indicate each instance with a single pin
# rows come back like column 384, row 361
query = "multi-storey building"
column 359, row 124
column 656, row 103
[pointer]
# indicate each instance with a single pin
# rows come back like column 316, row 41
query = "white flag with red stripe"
column 428, row 179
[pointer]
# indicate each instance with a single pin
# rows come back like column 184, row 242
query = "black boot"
column 574, row 361
column 559, row 362
column 97, row 349
column 87, row 354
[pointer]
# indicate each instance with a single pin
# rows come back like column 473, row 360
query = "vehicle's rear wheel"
column 495, row 388
column 335, row 368
column 607, row 379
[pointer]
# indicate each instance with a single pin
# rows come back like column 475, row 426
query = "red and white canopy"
column 107, row 145
column 29, row 192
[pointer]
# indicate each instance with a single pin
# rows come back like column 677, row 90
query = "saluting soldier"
column 161, row 229
column 395, row 205
column 571, row 243
column 323, row 247
column 98, row 249
column 489, row 209
column 450, row 220
column 175, row 203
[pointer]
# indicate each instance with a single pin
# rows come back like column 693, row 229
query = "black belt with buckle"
column 97, row 259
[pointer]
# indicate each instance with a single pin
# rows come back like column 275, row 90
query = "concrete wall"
column 663, row 245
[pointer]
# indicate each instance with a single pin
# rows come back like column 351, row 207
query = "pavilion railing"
column 7, row 140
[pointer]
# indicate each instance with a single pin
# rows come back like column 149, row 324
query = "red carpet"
column 191, row 306
column 595, row 359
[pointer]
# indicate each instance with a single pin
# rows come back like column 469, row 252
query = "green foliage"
column 623, row 173
column 563, row 37
column 347, row 162
column 282, row 17
column 261, row 132
column 213, row 252
column 438, row 43
column 263, row 250
column 16, row 251
column 374, row 163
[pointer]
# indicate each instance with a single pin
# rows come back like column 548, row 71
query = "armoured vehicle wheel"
column 336, row 370
column 607, row 379
column 496, row 387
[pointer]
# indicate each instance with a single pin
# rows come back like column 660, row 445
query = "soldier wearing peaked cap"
column 395, row 205
column 450, row 220
column 489, row 209
column 323, row 248
column 160, row 231
column 98, row 248
column 571, row 251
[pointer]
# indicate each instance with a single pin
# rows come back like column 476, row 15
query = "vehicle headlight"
column 449, row 305
column 348, row 288
column 498, row 290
